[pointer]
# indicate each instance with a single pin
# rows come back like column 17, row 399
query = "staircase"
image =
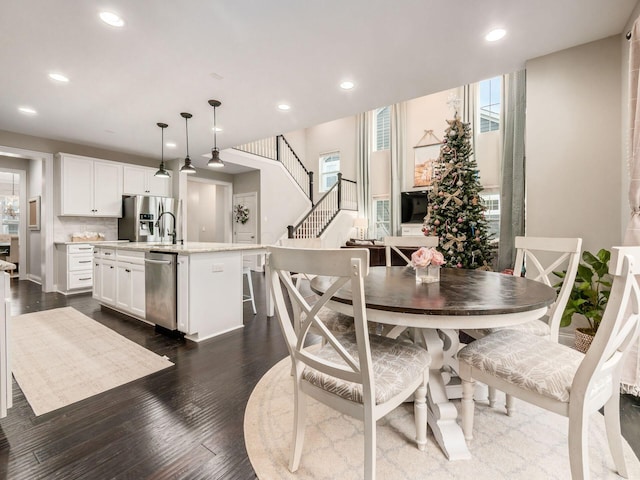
column 341, row 196
column 278, row 149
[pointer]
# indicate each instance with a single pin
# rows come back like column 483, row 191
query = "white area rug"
column 62, row 356
column 531, row 445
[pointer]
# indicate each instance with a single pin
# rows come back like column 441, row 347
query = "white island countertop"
column 187, row 248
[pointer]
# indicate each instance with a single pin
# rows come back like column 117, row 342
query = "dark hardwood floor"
column 185, row 422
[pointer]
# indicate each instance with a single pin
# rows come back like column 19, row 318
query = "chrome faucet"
column 173, row 233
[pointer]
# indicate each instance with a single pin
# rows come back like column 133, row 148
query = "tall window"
column 492, row 213
column 329, row 168
column 490, row 93
column 382, row 212
column 383, row 128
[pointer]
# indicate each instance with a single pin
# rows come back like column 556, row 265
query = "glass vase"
column 428, row 274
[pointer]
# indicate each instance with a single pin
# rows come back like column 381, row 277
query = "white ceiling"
column 173, row 57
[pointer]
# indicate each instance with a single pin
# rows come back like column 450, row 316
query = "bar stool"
column 249, row 298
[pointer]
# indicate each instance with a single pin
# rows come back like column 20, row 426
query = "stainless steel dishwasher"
column 161, row 293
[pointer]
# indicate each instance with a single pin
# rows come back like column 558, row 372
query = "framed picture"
column 34, row 213
column 425, row 156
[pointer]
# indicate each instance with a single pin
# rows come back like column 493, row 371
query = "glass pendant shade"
column 215, row 161
column 187, row 167
column 162, row 172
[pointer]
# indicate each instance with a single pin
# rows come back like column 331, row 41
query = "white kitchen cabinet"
column 123, row 286
column 75, row 271
column 137, row 290
column 108, row 282
column 104, row 274
column 89, row 187
column 142, row 181
column 97, row 279
column 129, row 283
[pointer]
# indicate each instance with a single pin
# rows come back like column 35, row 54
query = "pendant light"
column 187, row 167
column 215, row 161
column 162, row 172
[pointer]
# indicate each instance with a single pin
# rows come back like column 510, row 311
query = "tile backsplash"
column 64, row 227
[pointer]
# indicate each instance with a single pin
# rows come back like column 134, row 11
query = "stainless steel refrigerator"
column 140, row 215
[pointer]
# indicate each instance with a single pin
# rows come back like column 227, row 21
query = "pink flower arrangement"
column 423, row 257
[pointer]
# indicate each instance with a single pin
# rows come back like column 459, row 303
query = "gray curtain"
column 512, row 190
column 630, row 377
column 363, row 150
column 398, row 158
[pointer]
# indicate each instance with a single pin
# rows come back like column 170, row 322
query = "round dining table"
column 462, row 299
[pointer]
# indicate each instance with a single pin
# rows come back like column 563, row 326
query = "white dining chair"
column 558, row 378
column 360, row 375
column 417, row 241
column 538, row 258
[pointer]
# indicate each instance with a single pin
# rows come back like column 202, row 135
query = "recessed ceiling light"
column 347, row 85
column 495, row 35
column 112, row 19
column 27, row 110
column 284, row 107
column 217, row 129
column 58, row 77
column 170, row 145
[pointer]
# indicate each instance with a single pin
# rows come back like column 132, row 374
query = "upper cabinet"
column 142, row 181
column 89, row 187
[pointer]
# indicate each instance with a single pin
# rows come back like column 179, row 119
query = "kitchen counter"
column 188, row 248
column 209, row 283
column 90, row 242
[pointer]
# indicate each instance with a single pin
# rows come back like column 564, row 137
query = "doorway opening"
column 10, row 218
column 208, row 211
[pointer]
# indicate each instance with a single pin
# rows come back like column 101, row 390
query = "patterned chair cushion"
column 395, row 365
column 527, row 361
column 339, row 323
column 534, row 327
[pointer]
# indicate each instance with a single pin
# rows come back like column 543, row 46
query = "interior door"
column 246, row 232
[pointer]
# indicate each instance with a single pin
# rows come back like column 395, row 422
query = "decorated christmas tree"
column 456, row 210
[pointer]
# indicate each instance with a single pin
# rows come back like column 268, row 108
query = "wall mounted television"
column 413, row 207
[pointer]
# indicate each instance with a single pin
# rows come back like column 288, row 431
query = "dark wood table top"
column 459, row 293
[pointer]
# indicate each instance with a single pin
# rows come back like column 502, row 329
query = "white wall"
column 425, row 113
column 573, row 148
column 208, row 211
column 280, row 199
column 430, row 112
column 201, row 220
column 247, row 183
column 34, row 238
column 338, row 135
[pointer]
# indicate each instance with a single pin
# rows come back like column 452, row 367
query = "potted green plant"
column 589, row 296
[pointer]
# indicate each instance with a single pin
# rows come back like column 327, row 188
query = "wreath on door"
column 241, row 214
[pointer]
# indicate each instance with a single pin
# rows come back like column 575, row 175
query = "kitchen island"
column 209, row 283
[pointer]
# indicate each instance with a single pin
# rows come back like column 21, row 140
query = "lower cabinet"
column 104, row 281
column 130, row 295
column 74, row 272
column 119, row 282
